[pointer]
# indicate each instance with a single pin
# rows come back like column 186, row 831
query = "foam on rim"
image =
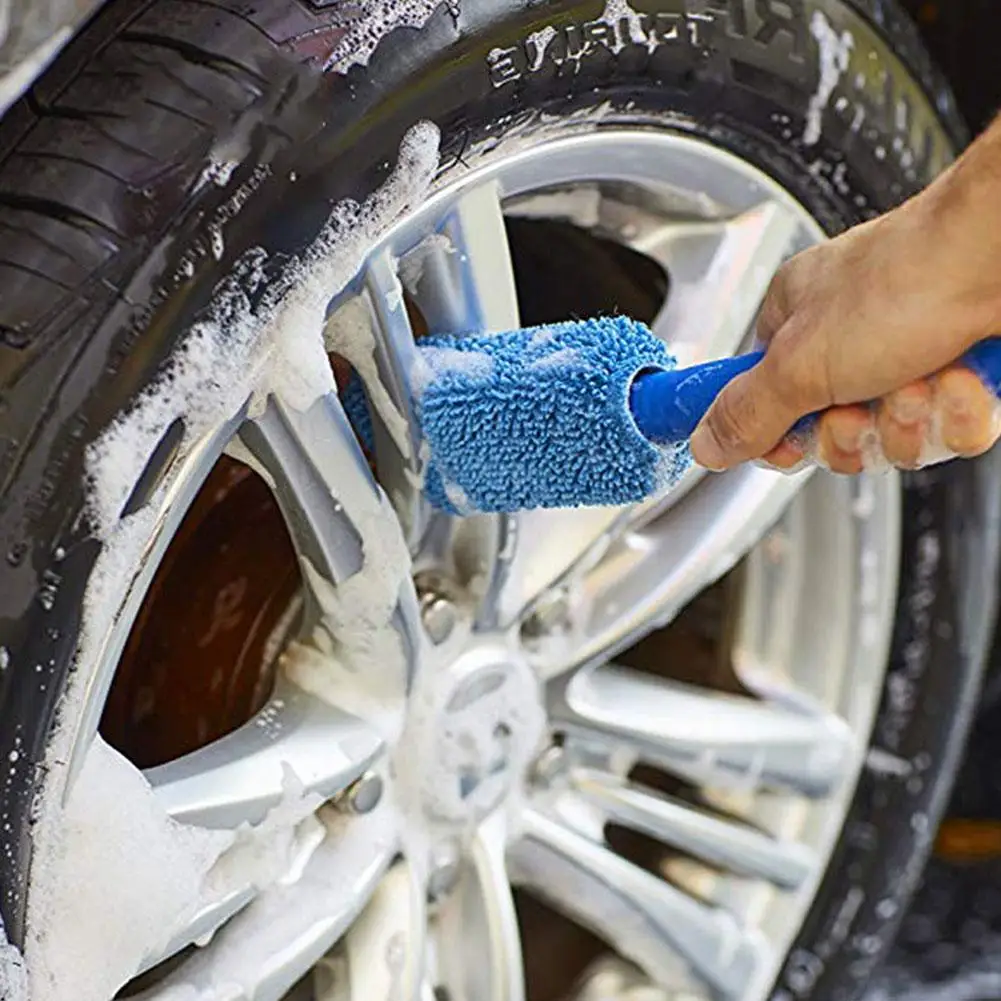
column 13, row 974
column 111, row 840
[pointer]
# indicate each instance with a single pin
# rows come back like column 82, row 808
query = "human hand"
column 881, row 314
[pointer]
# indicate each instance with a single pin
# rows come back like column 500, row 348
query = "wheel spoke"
column 386, row 368
column 468, row 285
column 236, row 780
column 356, row 566
column 649, row 574
column 642, row 916
column 481, row 916
column 206, row 921
column 720, row 272
column 312, row 459
column 270, row 945
column 725, row 843
column 386, row 950
column 709, row 738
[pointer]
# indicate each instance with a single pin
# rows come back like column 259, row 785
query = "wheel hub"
column 472, row 729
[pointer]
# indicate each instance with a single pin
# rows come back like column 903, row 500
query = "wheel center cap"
column 484, row 721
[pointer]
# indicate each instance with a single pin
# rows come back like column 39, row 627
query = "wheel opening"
column 564, row 271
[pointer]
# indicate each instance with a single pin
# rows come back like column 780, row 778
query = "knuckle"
column 774, row 309
column 784, row 298
column 796, row 380
column 729, row 426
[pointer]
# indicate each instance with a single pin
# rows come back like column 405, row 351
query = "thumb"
column 748, row 419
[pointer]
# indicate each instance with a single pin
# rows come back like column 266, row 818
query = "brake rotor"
column 197, row 664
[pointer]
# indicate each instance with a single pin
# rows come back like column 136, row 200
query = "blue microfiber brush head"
column 540, row 418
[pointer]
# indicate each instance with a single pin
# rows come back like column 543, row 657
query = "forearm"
column 957, row 222
column 976, row 174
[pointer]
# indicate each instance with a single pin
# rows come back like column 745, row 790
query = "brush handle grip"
column 669, row 406
column 985, row 359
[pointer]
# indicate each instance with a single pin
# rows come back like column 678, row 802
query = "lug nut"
column 439, row 612
column 438, row 615
column 446, row 864
column 363, row 795
column 549, row 617
column 549, row 765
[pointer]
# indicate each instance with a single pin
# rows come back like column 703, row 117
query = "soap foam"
column 412, row 264
column 356, row 659
column 13, row 974
column 371, row 22
column 835, row 51
column 114, row 877
column 350, row 334
column 111, row 841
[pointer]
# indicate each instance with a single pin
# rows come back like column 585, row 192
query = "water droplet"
column 16, row 553
column 4, row 658
column 13, row 756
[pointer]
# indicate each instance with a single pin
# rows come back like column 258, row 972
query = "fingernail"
column 706, row 450
column 956, row 404
column 909, row 411
column 847, row 440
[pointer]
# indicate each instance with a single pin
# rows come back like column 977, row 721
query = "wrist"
column 957, row 222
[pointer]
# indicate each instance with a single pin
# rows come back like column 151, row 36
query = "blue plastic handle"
column 985, row 360
column 668, row 406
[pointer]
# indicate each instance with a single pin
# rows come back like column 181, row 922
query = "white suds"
column 127, row 863
column 344, row 867
column 835, row 51
column 13, row 974
column 356, row 659
column 371, row 22
column 239, row 351
column 116, row 876
column 269, row 852
column 411, row 265
column 564, row 358
column 350, row 333
column 474, row 364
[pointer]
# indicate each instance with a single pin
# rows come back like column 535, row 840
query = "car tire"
column 163, row 144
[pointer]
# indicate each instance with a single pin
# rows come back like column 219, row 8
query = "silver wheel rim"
column 410, row 797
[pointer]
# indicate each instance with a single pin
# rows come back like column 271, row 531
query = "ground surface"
column 950, row 944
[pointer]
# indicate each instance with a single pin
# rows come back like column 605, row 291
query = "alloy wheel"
column 459, row 705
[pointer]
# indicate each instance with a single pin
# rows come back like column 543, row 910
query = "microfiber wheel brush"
column 577, row 414
column 541, row 418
